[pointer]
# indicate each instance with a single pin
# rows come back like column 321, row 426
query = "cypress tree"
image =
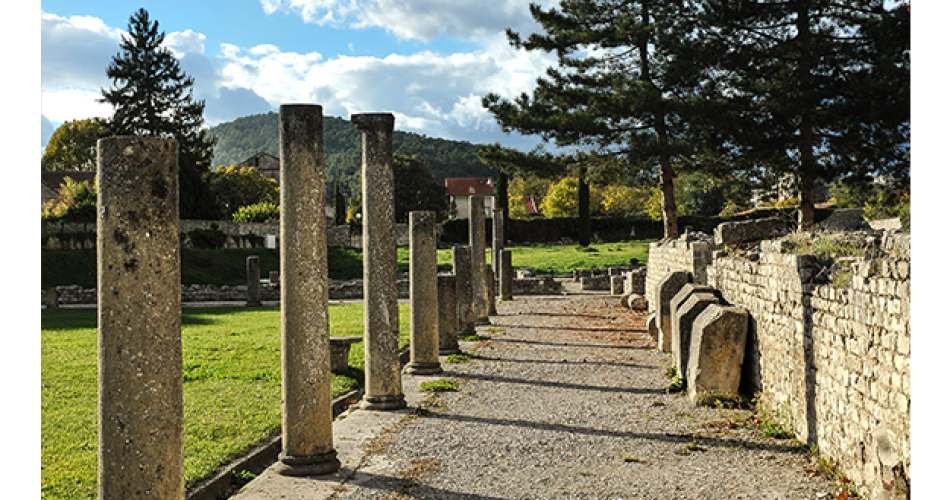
column 152, row 96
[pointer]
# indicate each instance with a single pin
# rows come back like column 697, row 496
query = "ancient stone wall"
column 833, row 361
column 691, row 252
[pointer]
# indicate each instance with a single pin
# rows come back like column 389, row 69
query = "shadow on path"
column 558, row 385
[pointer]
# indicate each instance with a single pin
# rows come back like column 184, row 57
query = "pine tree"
column 152, row 96
column 817, row 89
column 625, row 84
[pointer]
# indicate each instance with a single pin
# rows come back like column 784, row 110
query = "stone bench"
column 340, row 352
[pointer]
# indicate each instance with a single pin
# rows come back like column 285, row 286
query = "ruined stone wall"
column 691, row 252
column 833, row 361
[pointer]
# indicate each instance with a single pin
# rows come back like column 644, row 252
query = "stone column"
column 52, row 299
column 141, row 446
column 383, row 381
column 492, row 281
column 507, row 278
column 448, row 316
column 253, row 280
column 307, row 425
column 497, row 244
column 423, row 296
column 476, row 240
column 462, row 265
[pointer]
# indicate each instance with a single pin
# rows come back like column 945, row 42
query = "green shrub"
column 209, row 238
column 264, row 211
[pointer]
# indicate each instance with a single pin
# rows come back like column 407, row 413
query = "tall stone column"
column 448, row 316
column 253, row 280
column 507, row 278
column 141, row 446
column 462, row 266
column 423, row 296
column 497, row 243
column 383, row 381
column 476, row 240
column 307, row 425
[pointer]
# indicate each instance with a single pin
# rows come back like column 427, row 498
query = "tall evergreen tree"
column 818, row 89
column 625, row 84
column 152, row 96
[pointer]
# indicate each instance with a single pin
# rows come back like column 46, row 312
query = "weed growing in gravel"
column 630, row 459
column 677, row 384
column 828, row 469
column 769, row 422
column 476, row 338
column 460, row 358
column 441, row 385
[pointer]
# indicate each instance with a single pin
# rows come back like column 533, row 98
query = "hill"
column 247, row 136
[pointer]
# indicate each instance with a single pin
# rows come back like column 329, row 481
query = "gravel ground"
column 568, row 400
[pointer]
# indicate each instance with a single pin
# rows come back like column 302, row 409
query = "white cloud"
column 76, row 51
column 73, row 104
column 415, row 19
column 438, row 95
column 184, row 42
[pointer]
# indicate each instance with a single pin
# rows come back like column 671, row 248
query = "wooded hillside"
column 247, row 136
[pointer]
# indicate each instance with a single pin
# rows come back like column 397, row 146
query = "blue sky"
column 427, row 61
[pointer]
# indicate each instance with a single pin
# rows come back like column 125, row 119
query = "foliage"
column 152, row 96
column 339, row 205
column 415, row 189
column 625, row 201
column 208, row 238
column 237, row 186
column 249, row 135
column 73, row 145
column 76, row 202
column 562, row 200
column 816, row 89
column 265, row 212
column 441, row 385
column 525, row 184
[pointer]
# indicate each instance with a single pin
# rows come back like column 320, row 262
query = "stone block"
column 340, row 352
column 636, row 302
column 717, row 349
column 651, row 326
column 666, row 289
column 684, row 316
column 595, row 282
column 729, row 233
column 616, row 284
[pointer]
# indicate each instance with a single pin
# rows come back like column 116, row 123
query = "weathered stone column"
column 51, row 299
column 492, row 281
column 139, row 281
column 507, row 278
column 253, row 280
column 462, row 265
column 383, row 381
column 497, row 244
column 448, row 316
column 476, row 240
column 423, row 296
column 307, row 425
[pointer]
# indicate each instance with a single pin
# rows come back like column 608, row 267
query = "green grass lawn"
column 231, row 372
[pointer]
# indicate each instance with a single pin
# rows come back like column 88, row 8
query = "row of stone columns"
column 140, row 361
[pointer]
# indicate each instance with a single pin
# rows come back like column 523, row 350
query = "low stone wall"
column 691, row 252
column 833, row 362
column 338, row 290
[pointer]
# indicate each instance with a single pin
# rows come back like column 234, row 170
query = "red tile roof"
column 469, row 186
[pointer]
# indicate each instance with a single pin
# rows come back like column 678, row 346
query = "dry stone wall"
column 833, row 361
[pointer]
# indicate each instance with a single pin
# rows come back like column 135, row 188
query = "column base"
column 396, row 402
column 419, row 368
column 307, row 465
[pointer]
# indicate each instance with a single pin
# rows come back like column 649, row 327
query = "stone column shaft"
column 141, row 445
column 462, row 265
column 423, row 296
column 476, row 240
column 448, row 316
column 253, row 280
column 383, row 381
column 497, row 244
column 307, row 425
column 507, row 278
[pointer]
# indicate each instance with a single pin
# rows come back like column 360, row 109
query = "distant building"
column 267, row 164
column 459, row 189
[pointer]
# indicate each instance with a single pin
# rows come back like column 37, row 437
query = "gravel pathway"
column 567, row 400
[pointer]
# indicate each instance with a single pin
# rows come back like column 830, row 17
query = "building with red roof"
column 459, row 189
